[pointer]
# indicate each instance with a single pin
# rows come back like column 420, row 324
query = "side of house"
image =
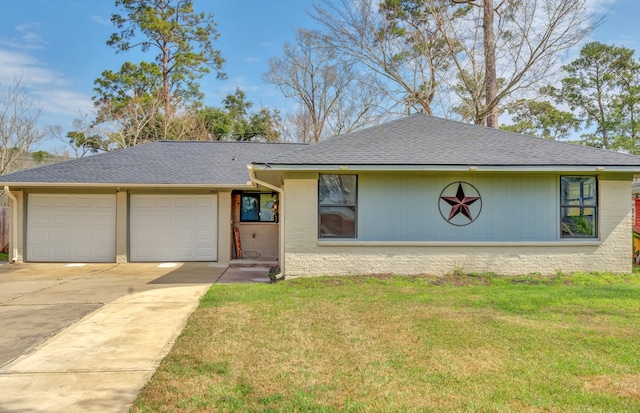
column 518, row 225
column 427, row 195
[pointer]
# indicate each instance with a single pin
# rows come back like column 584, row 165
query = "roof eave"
column 449, row 168
column 246, row 185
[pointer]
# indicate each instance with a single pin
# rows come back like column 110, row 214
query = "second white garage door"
column 173, row 227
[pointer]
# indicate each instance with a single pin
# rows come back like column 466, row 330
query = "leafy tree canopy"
column 182, row 38
column 601, row 86
column 542, row 119
column 234, row 121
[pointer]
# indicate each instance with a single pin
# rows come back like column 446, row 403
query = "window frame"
column 258, row 197
column 349, row 205
column 565, row 230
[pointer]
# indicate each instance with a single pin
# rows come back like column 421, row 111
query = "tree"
column 594, row 88
column 127, row 104
column 182, row 38
column 19, row 129
column 489, row 48
column 500, row 50
column 217, row 123
column 332, row 97
column 406, row 62
column 84, row 143
column 139, row 84
column 543, row 120
column 234, row 121
column 628, row 132
column 264, row 125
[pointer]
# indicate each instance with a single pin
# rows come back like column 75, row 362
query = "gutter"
column 121, row 185
column 595, row 169
column 280, row 191
column 14, row 224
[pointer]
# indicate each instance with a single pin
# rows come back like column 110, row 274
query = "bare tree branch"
column 19, row 129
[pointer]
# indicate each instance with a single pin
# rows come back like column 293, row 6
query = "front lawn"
column 567, row 343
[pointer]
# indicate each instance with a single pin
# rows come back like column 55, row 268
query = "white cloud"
column 50, row 89
column 600, row 6
column 22, row 66
column 100, row 20
column 28, row 38
column 65, row 102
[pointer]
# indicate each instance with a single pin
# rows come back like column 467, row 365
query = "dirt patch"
column 625, row 385
column 454, row 279
column 459, row 280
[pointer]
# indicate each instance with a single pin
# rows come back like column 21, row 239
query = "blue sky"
column 58, row 47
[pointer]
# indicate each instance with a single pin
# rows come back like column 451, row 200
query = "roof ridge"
column 222, row 141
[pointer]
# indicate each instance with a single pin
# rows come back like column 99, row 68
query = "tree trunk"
column 165, row 80
column 491, row 84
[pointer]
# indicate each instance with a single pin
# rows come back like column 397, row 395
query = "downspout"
column 14, row 223
column 280, row 191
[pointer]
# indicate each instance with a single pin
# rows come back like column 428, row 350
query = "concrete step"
column 253, row 263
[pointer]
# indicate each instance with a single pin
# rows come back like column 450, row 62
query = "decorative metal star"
column 460, row 203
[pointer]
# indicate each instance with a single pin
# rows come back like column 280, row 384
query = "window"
column 256, row 207
column 337, row 206
column 578, row 207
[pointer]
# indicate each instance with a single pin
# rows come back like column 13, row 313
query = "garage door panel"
column 146, row 220
column 158, row 216
column 40, row 237
column 185, row 236
column 71, row 227
column 62, row 201
column 83, row 251
column 61, row 253
column 87, row 220
column 203, row 252
column 40, row 219
column 173, row 227
column 60, row 219
column 163, row 202
column 61, row 235
column 204, row 236
column 185, row 220
column 204, row 202
column 101, row 220
column 183, row 202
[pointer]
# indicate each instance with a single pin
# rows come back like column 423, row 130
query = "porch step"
column 249, row 263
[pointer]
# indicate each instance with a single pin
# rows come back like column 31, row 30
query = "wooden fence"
column 4, row 229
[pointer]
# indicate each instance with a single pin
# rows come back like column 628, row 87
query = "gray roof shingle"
column 162, row 162
column 417, row 140
column 427, row 140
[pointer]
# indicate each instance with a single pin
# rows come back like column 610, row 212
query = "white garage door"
column 71, row 228
column 173, row 227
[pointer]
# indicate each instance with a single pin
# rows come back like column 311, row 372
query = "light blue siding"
column 404, row 207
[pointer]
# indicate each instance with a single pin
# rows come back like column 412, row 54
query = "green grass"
column 470, row 343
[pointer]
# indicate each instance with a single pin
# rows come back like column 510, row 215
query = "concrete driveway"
column 87, row 338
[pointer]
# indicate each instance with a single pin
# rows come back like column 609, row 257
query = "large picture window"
column 578, row 206
column 337, row 206
column 256, row 207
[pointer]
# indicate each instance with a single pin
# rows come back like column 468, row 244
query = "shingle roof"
column 427, row 140
column 418, row 140
column 163, row 162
